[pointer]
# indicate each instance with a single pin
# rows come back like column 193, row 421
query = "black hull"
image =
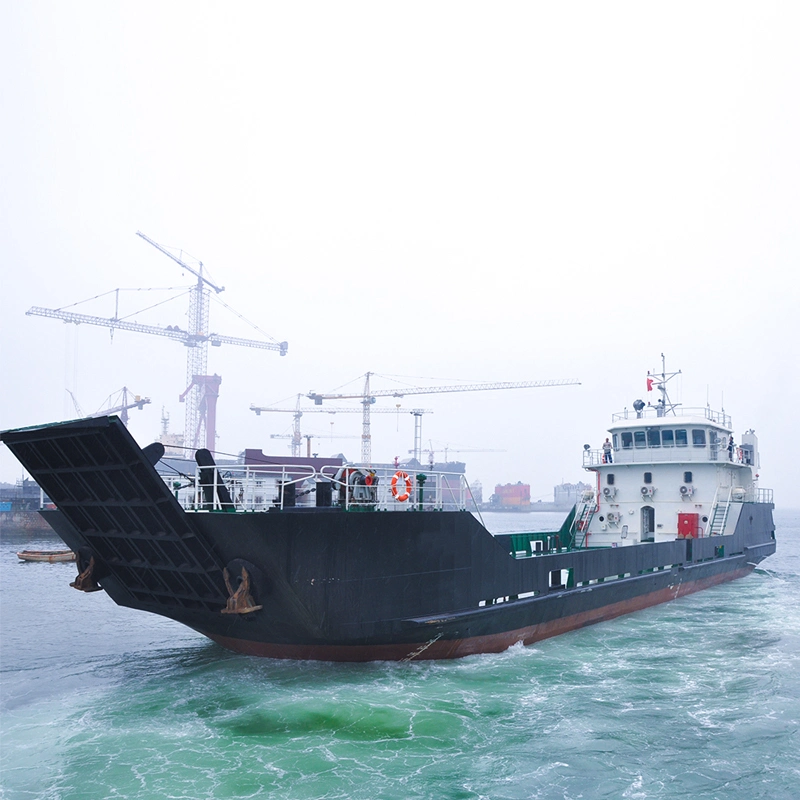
column 348, row 586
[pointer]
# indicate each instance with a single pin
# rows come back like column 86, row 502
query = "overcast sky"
column 435, row 192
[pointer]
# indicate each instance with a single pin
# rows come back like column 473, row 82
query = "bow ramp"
column 118, row 512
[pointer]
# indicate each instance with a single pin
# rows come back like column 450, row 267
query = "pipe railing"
column 264, row 487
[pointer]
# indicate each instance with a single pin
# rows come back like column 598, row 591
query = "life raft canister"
column 401, row 477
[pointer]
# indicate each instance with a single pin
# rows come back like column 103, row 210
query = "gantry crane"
column 297, row 411
column 122, row 407
column 202, row 389
column 368, row 397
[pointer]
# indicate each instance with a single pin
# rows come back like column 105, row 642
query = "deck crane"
column 202, row 389
column 297, row 411
column 368, row 398
column 122, row 407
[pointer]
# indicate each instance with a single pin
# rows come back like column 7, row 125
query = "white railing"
column 650, row 412
column 265, row 487
column 763, row 496
column 654, row 455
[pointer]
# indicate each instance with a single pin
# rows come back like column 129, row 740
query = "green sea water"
column 699, row 698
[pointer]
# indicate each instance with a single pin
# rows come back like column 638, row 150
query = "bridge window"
column 698, row 437
column 668, row 438
column 627, row 440
column 681, row 439
column 654, row 437
column 639, row 439
column 614, row 441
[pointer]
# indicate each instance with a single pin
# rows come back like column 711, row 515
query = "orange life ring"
column 397, row 478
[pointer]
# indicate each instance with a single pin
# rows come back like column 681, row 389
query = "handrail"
column 652, row 412
column 763, row 495
column 660, row 455
column 261, row 487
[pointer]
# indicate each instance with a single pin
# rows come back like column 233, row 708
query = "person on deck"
column 607, row 457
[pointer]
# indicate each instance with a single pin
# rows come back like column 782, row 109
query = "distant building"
column 512, row 495
column 476, row 489
column 565, row 495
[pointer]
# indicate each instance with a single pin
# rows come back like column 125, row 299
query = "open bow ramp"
column 115, row 509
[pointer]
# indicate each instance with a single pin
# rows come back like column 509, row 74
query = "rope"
column 420, row 649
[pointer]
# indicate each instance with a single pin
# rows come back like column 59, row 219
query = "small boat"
column 49, row 556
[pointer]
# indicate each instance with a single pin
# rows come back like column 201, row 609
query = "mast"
column 664, row 405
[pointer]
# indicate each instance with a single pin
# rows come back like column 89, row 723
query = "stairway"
column 719, row 515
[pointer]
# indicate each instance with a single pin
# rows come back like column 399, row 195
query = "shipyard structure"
column 517, row 497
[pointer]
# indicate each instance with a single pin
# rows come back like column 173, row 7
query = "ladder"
column 580, row 526
column 719, row 514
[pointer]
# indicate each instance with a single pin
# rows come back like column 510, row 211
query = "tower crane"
column 298, row 412
column 431, row 451
column 368, row 398
column 309, row 436
column 202, row 389
column 121, row 408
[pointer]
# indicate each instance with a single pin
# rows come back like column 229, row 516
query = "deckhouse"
column 668, row 472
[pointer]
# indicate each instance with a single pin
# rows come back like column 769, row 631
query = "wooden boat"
column 49, row 556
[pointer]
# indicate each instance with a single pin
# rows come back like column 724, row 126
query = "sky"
column 437, row 193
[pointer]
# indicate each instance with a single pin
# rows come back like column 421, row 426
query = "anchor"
column 240, row 601
column 85, row 581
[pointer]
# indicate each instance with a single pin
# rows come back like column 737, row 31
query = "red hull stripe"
column 458, row 648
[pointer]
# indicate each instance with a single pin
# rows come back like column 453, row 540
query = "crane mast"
column 200, row 393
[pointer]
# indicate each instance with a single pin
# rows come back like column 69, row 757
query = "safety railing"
column 650, row 412
column 763, row 495
column 271, row 487
column 357, row 488
column 653, row 455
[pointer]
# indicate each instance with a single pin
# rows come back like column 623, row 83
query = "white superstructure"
column 667, row 472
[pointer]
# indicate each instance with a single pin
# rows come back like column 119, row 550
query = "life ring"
column 399, row 477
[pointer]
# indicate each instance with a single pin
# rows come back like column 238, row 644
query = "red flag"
column 649, row 383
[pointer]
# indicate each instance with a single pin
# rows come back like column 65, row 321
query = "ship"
column 343, row 562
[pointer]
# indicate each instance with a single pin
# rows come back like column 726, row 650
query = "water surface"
column 695, row 698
